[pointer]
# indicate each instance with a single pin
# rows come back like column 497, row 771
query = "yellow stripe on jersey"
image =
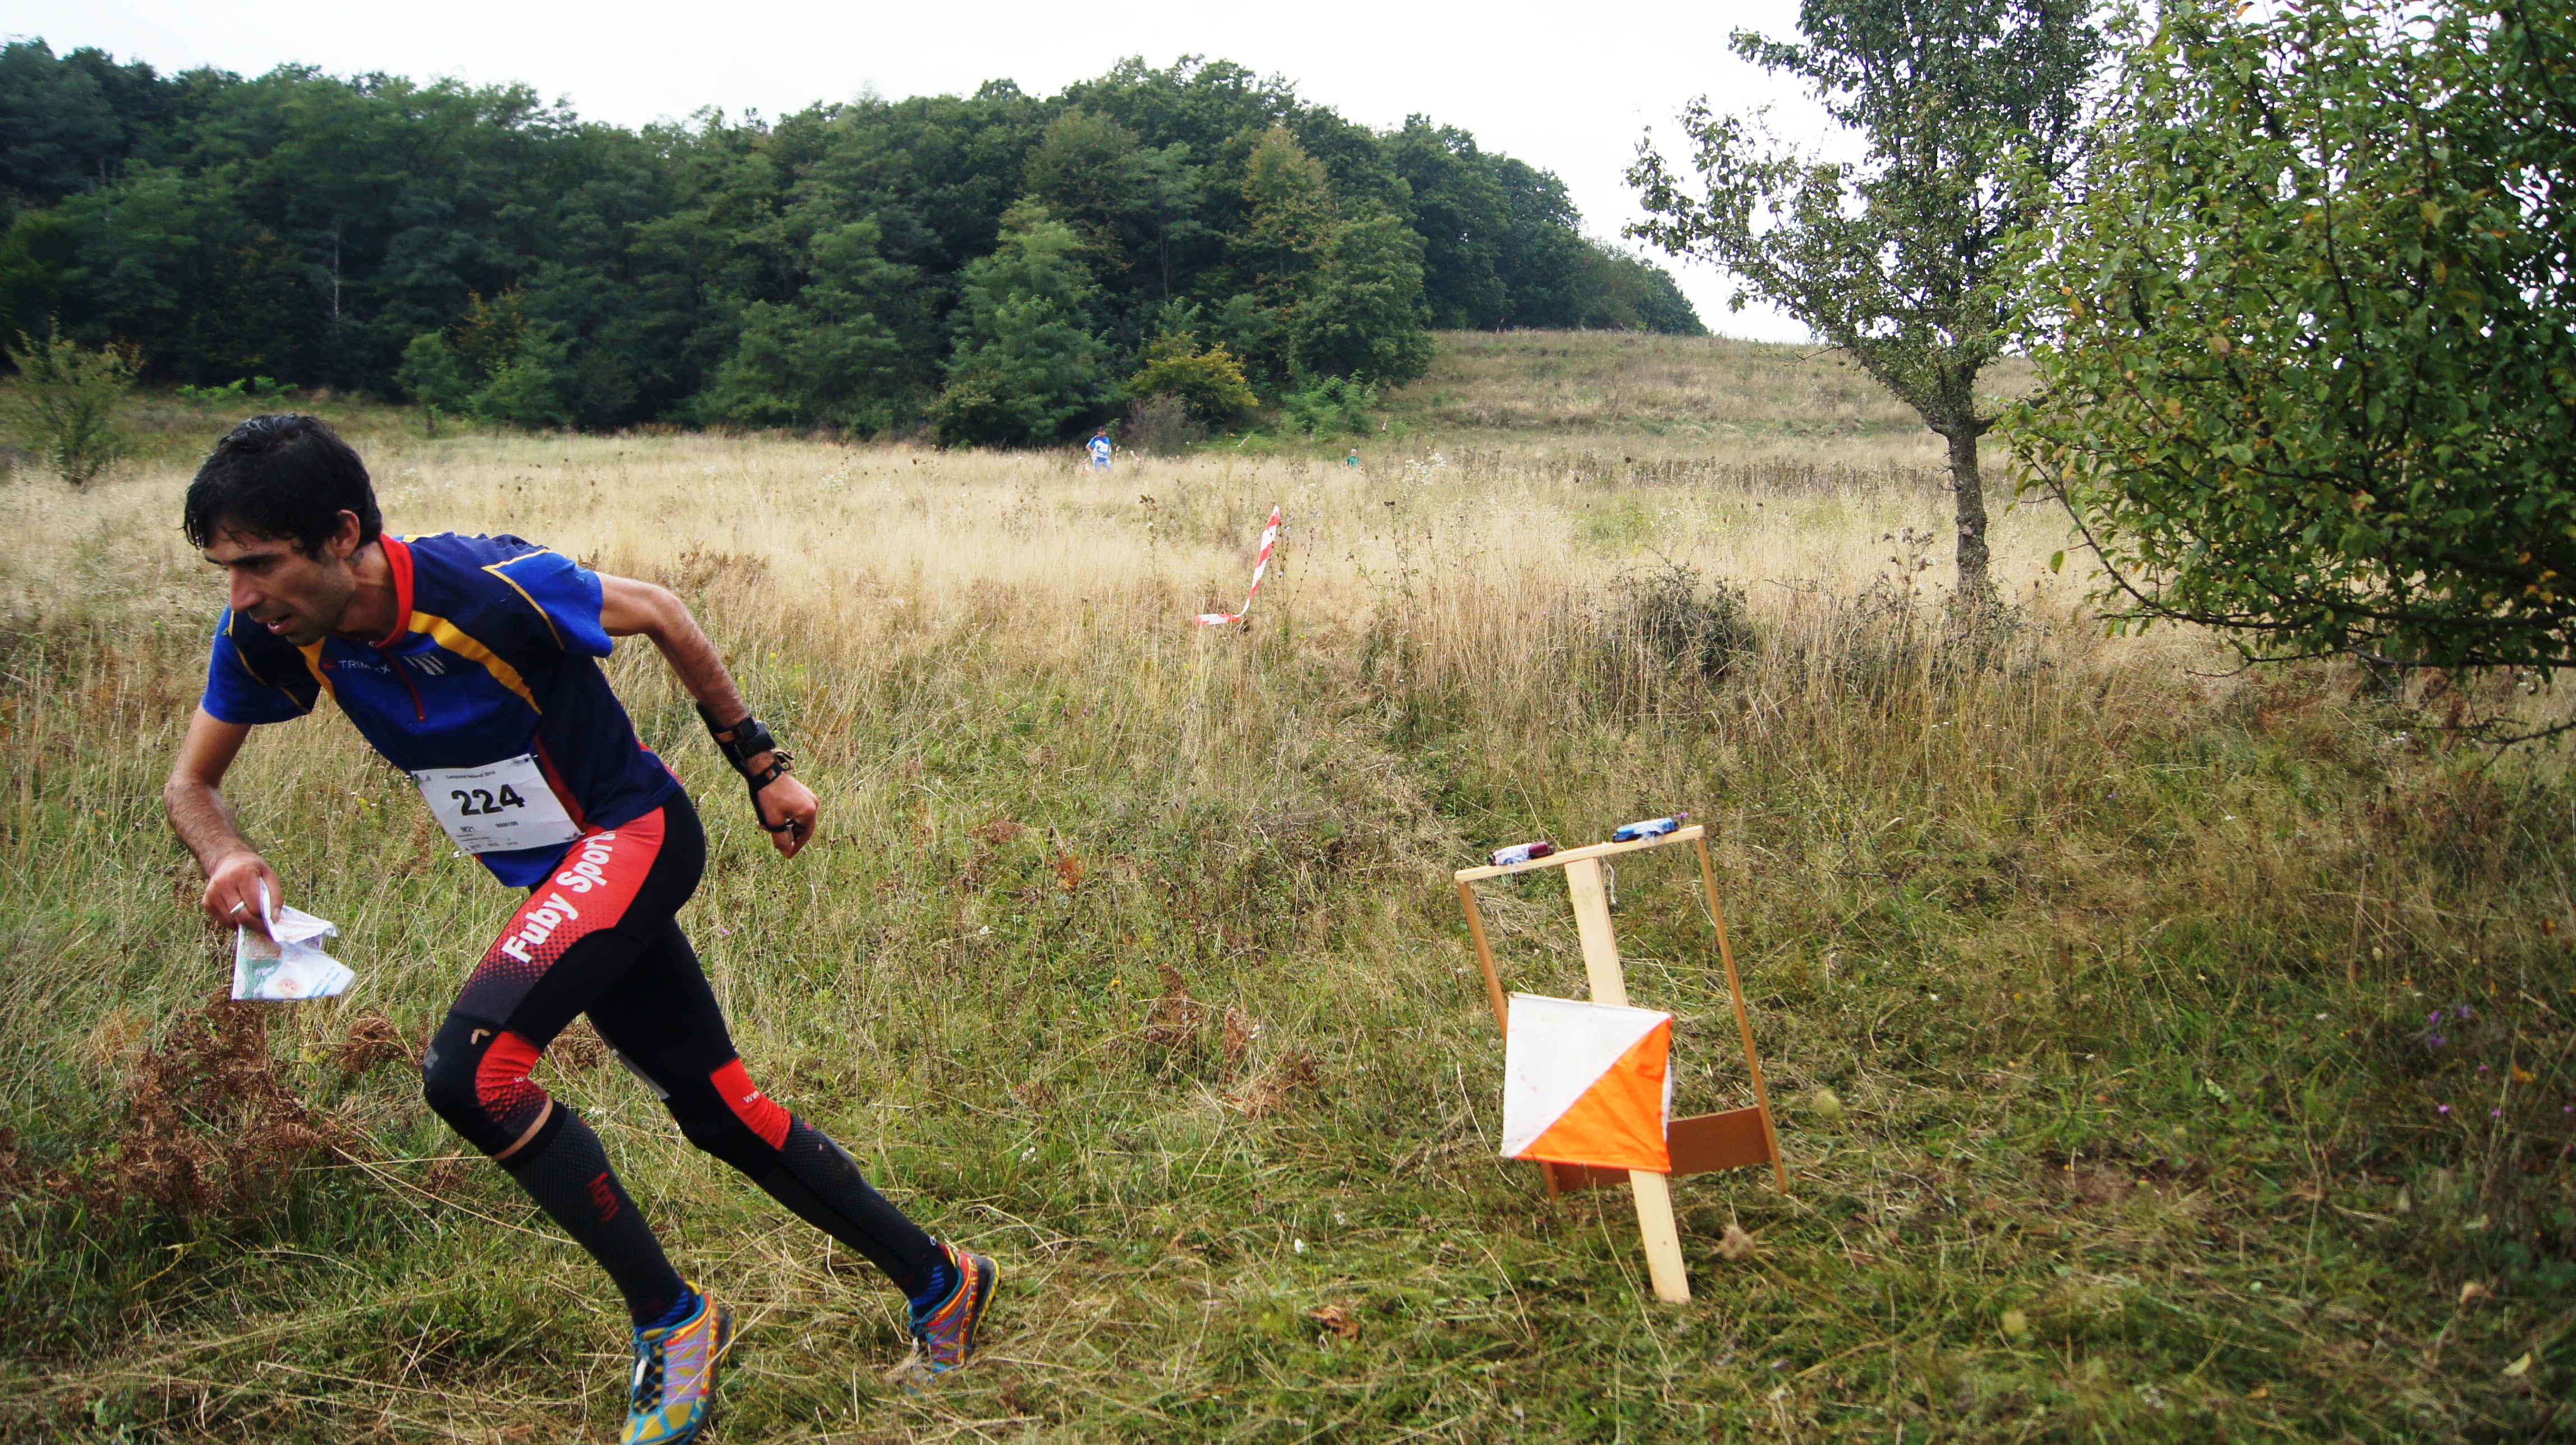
column 313, row 661
column 231, row 618
column 495, row 570
column 448, row 635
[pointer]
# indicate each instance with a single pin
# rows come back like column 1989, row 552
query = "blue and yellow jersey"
column 497, row 657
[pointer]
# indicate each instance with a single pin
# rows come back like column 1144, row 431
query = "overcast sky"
column 1567, row 88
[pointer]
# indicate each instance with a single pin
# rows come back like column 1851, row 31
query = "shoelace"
column 646, row 1391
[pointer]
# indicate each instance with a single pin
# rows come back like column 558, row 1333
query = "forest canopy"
column 1001, row 266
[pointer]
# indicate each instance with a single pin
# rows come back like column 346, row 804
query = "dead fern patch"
column 372, row 1040
column 579, row 1046
column 971, row 876
column 15, row 1177
column 209, row 1125
column 1177, row 1020
column 1241, row 1029
column 1274, row 1088
column 447, row 1175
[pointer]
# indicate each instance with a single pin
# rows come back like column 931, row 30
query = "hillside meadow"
column 2162, row 1051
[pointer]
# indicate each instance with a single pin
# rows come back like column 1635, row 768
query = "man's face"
column 300, row 598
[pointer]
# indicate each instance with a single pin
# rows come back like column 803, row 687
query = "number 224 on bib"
column 498, row 806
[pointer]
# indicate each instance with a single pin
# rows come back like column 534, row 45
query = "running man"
column 1099, row 447
column 472, row 664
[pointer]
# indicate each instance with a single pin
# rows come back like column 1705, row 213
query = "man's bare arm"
column 629, row 608
column 194, row 799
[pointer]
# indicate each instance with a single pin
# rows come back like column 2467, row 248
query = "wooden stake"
column 1743, row 1019
column 1663, row 1237
column 1653, row 1191
column 1485, row 957
column 1592, row 926
column 1494, row 991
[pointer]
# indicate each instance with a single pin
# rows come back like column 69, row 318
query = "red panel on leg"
column 501, row 1084
column 753, row 1107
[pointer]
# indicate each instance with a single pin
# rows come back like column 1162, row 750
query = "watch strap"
column 750, row 738
column 779, row 765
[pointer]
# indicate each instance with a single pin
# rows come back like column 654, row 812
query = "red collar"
column 397, row 557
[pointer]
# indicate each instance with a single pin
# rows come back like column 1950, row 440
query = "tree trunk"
column 1971, row 492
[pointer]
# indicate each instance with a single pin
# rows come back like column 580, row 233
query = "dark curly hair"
column 284, row 476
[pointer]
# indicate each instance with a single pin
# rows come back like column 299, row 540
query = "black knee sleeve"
column 447, row 1078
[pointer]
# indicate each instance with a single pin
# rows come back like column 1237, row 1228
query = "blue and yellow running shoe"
column 675, row 1376
column 946, row 1331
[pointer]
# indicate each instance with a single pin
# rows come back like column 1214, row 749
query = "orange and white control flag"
column 1587, row 1083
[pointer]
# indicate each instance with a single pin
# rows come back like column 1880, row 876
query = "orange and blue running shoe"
column 674, row 1388
column 946, row 1331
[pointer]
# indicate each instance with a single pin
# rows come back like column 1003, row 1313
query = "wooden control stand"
column 1732, row 1139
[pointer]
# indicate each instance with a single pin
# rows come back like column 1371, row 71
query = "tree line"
column 1000, row 267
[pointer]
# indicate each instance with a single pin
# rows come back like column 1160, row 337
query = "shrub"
column 1161, row 426
column 1210, row 381
column 1665, row 614
column 434, row 377
column 499, row 364
column 248, row 388
column 65, row 400
column 527, row 390
column 1330, row 407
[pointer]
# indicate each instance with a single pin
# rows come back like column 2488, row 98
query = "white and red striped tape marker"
column 1269, row 539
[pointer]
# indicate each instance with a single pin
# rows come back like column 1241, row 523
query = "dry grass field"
column 2200, row 1038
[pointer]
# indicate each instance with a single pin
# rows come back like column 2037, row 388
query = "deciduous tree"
column 2308, row 333
column 1898, row 258
column 1361, row 315
column 832, row 355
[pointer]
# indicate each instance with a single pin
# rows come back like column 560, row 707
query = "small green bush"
column 1209, row 382
column 1669, row 616
column 64, row 401
column 1333, row 406
column 434, row 378
column 248, row 388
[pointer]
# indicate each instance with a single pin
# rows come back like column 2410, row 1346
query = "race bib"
column 497, row 807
